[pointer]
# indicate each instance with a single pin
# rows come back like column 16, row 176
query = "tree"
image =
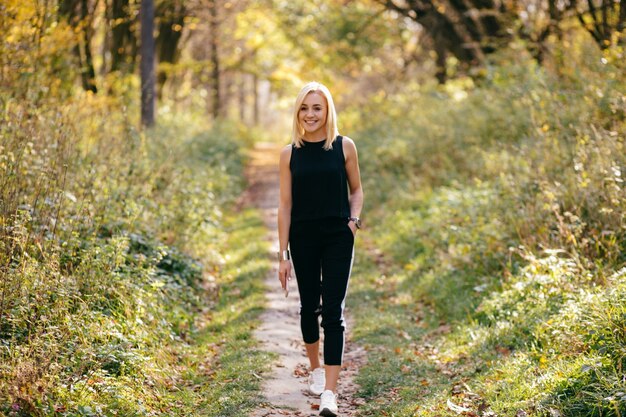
column 214, row 57
column 170, row 16
column 123, row 39
column 602, row 19
column 467, row 29
column 78, row 16
column 148, row 96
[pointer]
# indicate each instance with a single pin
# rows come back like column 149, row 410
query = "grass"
column 129, row 287
column 557, row 356
column 218, row 371
column 496, row 281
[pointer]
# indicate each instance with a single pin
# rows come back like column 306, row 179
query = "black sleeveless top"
column 319, row 185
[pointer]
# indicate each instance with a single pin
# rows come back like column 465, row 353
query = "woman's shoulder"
column 285, row 153
column 348, row 144
column 347, row 139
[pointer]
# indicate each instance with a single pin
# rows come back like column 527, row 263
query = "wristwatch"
column 357, row 221
column 284, row 255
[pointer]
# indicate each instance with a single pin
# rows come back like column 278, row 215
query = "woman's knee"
column 333, row 323
column 310, row 311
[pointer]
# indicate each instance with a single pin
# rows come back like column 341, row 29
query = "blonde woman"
column 318, row 217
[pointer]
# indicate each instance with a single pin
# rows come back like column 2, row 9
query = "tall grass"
column 501, row 203
column 110, row 244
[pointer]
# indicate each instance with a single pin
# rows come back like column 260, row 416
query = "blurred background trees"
column 234, row 58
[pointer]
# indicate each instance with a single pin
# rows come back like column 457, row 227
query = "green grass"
column 220, row 367
column 128, row 285
column 500, row 242
column 565, row 354
column 211, row 368
column 403, row 373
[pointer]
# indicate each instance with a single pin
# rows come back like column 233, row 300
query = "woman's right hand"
column 284, row 273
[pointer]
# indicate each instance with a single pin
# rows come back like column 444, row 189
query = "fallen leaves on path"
column 301, row 371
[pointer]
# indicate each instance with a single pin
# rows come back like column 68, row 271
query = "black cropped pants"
column 322, row 252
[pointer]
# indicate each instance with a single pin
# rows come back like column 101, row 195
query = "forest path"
column 285, row 389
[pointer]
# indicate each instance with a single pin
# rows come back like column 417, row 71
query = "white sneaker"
column 328, row 404
column 317, row 381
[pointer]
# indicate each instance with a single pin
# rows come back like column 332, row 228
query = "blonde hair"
column 297, row 132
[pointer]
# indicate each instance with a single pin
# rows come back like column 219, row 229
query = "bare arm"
column 354, row 179
column 284, row 213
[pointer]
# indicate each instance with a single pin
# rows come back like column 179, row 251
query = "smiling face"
column 312, row 116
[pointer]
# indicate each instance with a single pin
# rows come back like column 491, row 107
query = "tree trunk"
column 467, row 29
column 77, row 15
column 599, row 22
column 123, row 40
column 215, row 61
column 242, row 97
column 621, row 23
column 147, row 63
column 255, row 86
column 88, row 73
column 171, row 19
column 440, row 51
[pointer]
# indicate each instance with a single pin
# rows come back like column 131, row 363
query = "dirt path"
column 284, row 390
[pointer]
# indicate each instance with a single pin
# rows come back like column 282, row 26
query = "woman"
column 318, row 220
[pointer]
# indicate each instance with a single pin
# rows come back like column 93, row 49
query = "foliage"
column 113, row 245
column 502, row 239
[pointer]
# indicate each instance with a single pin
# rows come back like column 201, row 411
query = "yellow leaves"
column 157, row 284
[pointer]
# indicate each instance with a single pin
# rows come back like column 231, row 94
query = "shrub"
column 501, row 202
column 109, row 244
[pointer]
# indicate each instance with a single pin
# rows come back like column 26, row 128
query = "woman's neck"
column 315, row 137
